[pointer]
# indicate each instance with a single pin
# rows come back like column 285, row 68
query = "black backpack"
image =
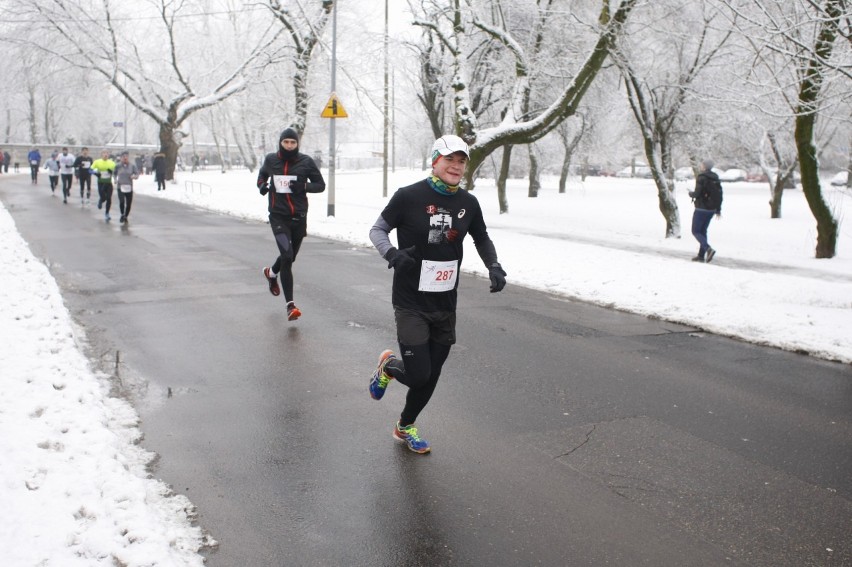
column 712, row 193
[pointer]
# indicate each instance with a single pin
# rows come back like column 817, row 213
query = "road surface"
column 562, row 433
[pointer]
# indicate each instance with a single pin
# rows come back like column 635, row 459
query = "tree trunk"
column 665, row 186
column 775, row 201
column 535, row 181
column 300, row 91
column 169, row 146
column 501, row 180
column 826, row 246
column 668, row 206
column 566, row 168
column 809, row 90
column 248, row 157
column 31, row 116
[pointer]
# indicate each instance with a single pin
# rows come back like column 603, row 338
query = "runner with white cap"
column 432, row 218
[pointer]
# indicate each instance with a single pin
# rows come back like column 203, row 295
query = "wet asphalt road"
column 563, row 434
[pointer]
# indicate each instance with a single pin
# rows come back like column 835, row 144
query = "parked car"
column 841, row 179
column 757, row 176
column 733, row 175
column 642, row 171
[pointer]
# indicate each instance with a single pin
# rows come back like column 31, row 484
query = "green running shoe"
column 410, row 437
column 379, row 381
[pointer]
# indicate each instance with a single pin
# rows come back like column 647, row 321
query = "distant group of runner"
column 63, row 167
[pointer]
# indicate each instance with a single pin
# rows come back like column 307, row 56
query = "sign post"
column 332, row 110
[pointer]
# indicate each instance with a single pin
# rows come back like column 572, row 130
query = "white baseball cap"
column 449, row 144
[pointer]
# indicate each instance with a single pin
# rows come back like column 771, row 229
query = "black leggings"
column 34, row 172
column 105, row 195
column 85, row 185
column 419, row 369
column 67, row 182
column 124, row 202
column 288, row 237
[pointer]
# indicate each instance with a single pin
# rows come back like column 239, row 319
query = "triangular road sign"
column 334, row 108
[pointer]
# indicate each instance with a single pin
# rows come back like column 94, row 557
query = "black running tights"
column 288, row 248
column 419, row 369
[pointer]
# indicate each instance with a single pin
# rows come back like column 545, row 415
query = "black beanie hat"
column 288, row 134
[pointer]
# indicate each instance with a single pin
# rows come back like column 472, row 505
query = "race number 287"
column 437, row 276
column 444, row 275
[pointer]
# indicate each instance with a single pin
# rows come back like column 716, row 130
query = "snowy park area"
column 76, row 491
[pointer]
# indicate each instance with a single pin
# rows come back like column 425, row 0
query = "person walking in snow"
column 432, row 217
column 708, row 202
column 286, row 177
column 159, row 167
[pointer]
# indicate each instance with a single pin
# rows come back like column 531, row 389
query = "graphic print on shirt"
column 440, row 225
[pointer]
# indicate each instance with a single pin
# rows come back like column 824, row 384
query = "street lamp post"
column 385, row 134
column 332, row 158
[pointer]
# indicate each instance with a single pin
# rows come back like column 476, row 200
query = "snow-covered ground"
column 75, row 491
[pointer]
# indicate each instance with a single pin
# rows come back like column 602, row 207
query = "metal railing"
column 197, row 186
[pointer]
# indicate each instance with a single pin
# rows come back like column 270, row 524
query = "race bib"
column 282, row 183
column 125, row 188
column 438, row 276
column 34, row 161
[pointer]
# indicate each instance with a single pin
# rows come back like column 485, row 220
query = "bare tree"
column 832, row 17
column 804, row 40
column 454, row 29
column 105, row 42
column 658, row 89
column 432, row 93
column 304, row 27
column 570, row 138
column 518, row 106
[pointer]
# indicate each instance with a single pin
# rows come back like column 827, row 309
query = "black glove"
column 401, row 259
column 298, row 186
column 264, row 188
column 497, row 276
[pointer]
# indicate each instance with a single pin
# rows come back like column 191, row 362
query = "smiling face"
column 450, row 169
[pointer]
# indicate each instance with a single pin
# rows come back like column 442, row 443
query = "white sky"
column 74, row 487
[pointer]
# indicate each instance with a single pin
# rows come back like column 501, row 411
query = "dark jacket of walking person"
column 159, row 167
column 432, row 218
column 708, row 202
column 286, row 177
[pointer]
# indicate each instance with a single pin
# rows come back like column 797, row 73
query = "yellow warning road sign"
column 334, row 108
